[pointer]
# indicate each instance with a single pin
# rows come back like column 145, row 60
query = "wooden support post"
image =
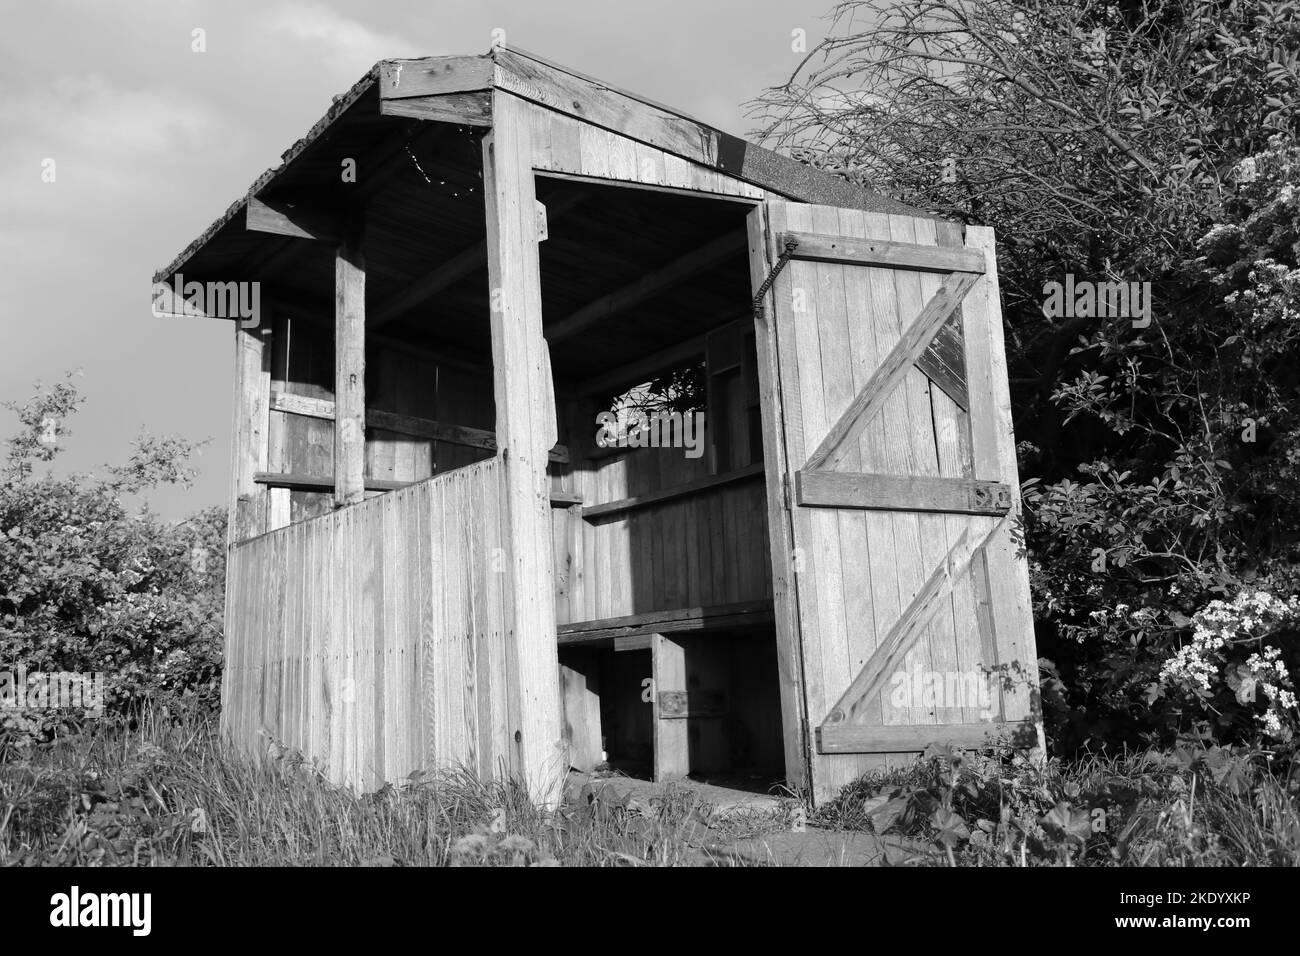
column 671, row 737
column 526, row 430
column 248, row 500
column 349, row 370
column 580, row 698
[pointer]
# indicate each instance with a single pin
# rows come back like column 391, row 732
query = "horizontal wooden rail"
column 882, row 252
column 838, row 489
column 323, row 409
column 860, row 739
column 621, row 505
column 300, row 482
column 665, row 622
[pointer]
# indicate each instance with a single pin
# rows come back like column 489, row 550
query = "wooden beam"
column 433, row 75
column 298, row 221
column 643, row 369
column 1005, row 564
column 526, row 430
column 838, row 489
column 323, row 408
column 648, row 286
column 622, row 505
column 467, row 109
column 838, row 441
column 914, row 738
column 680, row 619
column 349, row 371
column 882, row 252
column 780, row 532
column 558, row 88
column 749, row 201
column 302, row 482
column 281, row 479
column 893, row 647
column 464, row 263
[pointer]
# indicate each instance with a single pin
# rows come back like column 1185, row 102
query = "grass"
column 1194, row 805
column 168, row 793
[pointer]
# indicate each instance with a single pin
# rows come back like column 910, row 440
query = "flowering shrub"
column 1235, row 657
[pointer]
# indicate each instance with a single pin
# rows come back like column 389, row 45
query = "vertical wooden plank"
column 993, row 444
column 784, row 591
column 248, row 454
column 349, row 371
column 526, row 430
column 868, row 537
column 939, row 532
column 952, row 438
column 581, row 708
column 672, row 757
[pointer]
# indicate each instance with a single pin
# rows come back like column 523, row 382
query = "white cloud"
column 334, row 38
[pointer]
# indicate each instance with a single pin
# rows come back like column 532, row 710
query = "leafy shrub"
column 88, row 587
column 1153, row 141
column 1197, row 803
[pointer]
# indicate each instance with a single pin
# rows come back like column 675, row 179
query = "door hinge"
column 790, row 246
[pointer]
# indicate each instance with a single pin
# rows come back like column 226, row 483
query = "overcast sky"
column 151, row 141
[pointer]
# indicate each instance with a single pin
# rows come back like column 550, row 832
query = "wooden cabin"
column 434, row 561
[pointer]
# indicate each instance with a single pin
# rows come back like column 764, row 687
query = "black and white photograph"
column 788, row 434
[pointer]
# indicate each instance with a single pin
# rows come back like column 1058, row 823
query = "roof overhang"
column 458, row 89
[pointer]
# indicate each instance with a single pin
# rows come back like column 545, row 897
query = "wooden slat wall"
column 372, row 638
column 706, row 549
column 562, row 144
column 303, row 364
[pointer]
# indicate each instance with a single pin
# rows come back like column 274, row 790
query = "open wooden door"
column 903, row 612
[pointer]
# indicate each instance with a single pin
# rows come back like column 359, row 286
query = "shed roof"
column 456, row 88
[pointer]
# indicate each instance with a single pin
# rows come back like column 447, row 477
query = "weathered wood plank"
column 837, row 489
column 780, row 544
column 892, row 370
column 880, row 252
column 910, row 626
column 993, row 445
column 349, row 371
column 526, row 430
column 849, row 739
column 672, row 749
column 467, row 109
column 430, row 76
column 249, row 447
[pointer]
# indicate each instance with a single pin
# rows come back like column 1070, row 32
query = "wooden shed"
column 433, row 560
